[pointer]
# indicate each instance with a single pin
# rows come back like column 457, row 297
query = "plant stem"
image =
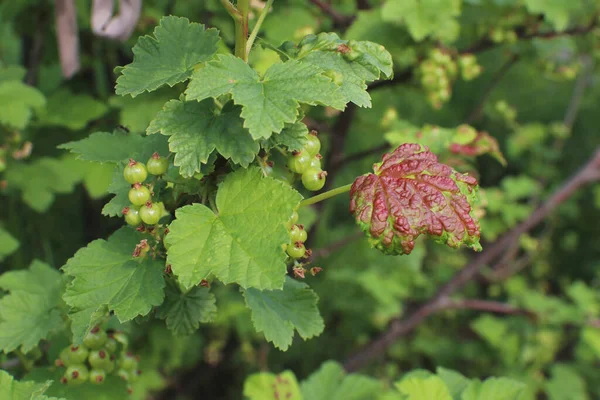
column 241, row 29
column 235, row 14
column 324, row 196
column 259, row 22
column 27, row 364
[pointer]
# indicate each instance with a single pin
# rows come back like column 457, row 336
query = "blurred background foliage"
column 535, row 90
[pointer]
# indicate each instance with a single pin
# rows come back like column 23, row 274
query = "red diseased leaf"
column 411, row 194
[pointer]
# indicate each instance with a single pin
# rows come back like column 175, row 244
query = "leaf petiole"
column 326, row 195
column 256, row 29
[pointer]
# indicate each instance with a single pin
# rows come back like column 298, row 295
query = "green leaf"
column 8, row 244
column 422, row 17
column 73, row 111
column 241, row 244
column 136, row 114
column 11, row 389
column 40, row 180
column 494, row 389
column 556, row 11
column 566, row 384
column 30, row 312
column 18, row 103
column 268, row 102
column 113, row 388
column 168, row 57
column 185, row 311
column 107, row 276
column 120, row 188
column 331, row 382
column 323, row 51
column 268, row 386
column 116, row 147
column 277, row 313
column 455, row 381
column 421, row 388
column 12, row 73
column 293, row 137
column 196, row 129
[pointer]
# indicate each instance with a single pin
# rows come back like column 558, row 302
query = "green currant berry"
column 150, row 213
column 315, row 162
column 78, row 354
column 120, row 337
column 99, row 358
column 135, row 172
column 157, row 165
column 134, row 375
column 299, row 162
column 132, row 216
column 313, row 144
column 128, row 362
column 296, row 250
column 298, row 234
column 111, row 345
column 293, row 219
column 139, row 195
column 95, row 339
column 314, row 179
column 123, row 374
column 97, row 376
column 64, row 358
column 77, row 374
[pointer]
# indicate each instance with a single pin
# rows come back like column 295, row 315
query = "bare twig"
column 339, row 20
column 12, row 363
column 476, row 113
column 338, row 139
column 362, row 154
column 484, row 305
column 402, row 326
column 399, row 78
column 487, row 44
column 331, row 248
column 582, row 83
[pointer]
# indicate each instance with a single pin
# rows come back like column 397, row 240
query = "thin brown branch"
column 333, row 247
column 399, row 78
column 381, row 148
column 339, row 20
column 582, row 83
column 486, row 43
column 402, row 326
column 484, row 305
column 12, row 363
column 477, row 112
column 338, row 139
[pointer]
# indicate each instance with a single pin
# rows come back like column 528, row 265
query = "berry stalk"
column 326, row 195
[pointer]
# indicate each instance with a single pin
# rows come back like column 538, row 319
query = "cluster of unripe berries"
column 439, row 70
column 296, row 249
column 99, row 355
column 307, row 163
column 142, row 209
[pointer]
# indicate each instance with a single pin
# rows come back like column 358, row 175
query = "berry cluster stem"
column 326, row 195
column 241, row 29
column 256, row 28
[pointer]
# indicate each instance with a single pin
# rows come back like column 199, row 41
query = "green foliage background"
column 537, row 95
